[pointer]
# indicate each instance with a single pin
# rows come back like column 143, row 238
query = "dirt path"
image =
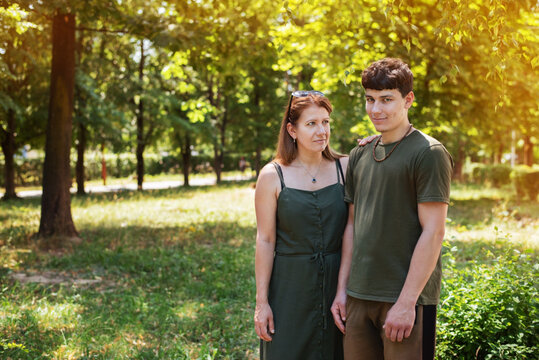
column 155, row 185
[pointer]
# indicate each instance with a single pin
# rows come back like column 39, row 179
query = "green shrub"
column 489, row 310
column 496, row 175
column 479, row 174
column 526, row 182
column 500, row 174
column 27, row 171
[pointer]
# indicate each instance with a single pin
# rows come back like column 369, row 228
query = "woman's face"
column 312, row 129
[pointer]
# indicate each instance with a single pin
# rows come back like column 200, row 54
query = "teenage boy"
column 398, row 192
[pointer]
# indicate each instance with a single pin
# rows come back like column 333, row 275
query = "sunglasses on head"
column 300, row 93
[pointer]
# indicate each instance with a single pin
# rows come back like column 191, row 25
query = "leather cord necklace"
column 393, row 149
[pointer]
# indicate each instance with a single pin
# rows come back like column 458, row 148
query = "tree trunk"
column 56, row 221
column 81, row 143
column 140, row 124
column 186, row 158
column 103, row 165
column 219, row 152
column 8, row 147
column 217, row 161
column 258, row 149
column 81, row 146
column 499, row 153
column 258, row 159
column 528, row 151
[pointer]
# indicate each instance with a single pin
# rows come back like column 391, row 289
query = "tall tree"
column 188, row 108
column 7, row 142
column 21, row 86
column 56, row 220
column 141, row 141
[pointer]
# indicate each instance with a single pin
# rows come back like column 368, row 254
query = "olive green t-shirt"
column 386, row 222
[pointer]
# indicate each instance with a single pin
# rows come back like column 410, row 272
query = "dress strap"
column 339, row 171
column 279, row 172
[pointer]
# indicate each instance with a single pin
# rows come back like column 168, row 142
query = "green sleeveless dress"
column 310, row 225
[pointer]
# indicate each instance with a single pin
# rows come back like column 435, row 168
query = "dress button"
column 314, row 194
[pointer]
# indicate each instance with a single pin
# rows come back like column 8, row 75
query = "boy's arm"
column 400, row 318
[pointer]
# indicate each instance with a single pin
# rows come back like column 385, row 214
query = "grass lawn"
column 168, row 274
column 482, row 219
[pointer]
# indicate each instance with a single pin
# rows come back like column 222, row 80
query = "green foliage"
column 24, row 76
column 497, row 175
column 217, row 74
column 448, row 44
column 526, row 181
column 489, row 309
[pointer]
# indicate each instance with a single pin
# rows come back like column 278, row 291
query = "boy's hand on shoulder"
column 365, row 141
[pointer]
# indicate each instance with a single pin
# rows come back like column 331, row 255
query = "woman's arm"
column 267, row 188
column 338, row 309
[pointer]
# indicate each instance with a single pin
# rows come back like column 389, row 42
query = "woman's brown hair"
column 286, row 148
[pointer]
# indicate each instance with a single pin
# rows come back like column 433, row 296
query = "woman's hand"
column 365, row 141
column 264, row 321
column 338, row 309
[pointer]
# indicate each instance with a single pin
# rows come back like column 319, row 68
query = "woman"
column 301, row 217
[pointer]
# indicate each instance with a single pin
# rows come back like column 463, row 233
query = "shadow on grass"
column 21, row 203
column 167, row 293
column 16, row 228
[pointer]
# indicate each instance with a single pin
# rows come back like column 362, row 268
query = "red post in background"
column 103, row 165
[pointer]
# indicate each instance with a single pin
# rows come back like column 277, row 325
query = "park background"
column 179, row 91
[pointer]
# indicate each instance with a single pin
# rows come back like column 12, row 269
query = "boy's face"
column 387, row 109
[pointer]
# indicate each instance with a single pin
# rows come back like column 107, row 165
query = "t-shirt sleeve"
column 434, row 175
column 350, row 184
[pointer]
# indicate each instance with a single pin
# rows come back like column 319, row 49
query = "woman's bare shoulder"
column 344, row 161
column 268, row 176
